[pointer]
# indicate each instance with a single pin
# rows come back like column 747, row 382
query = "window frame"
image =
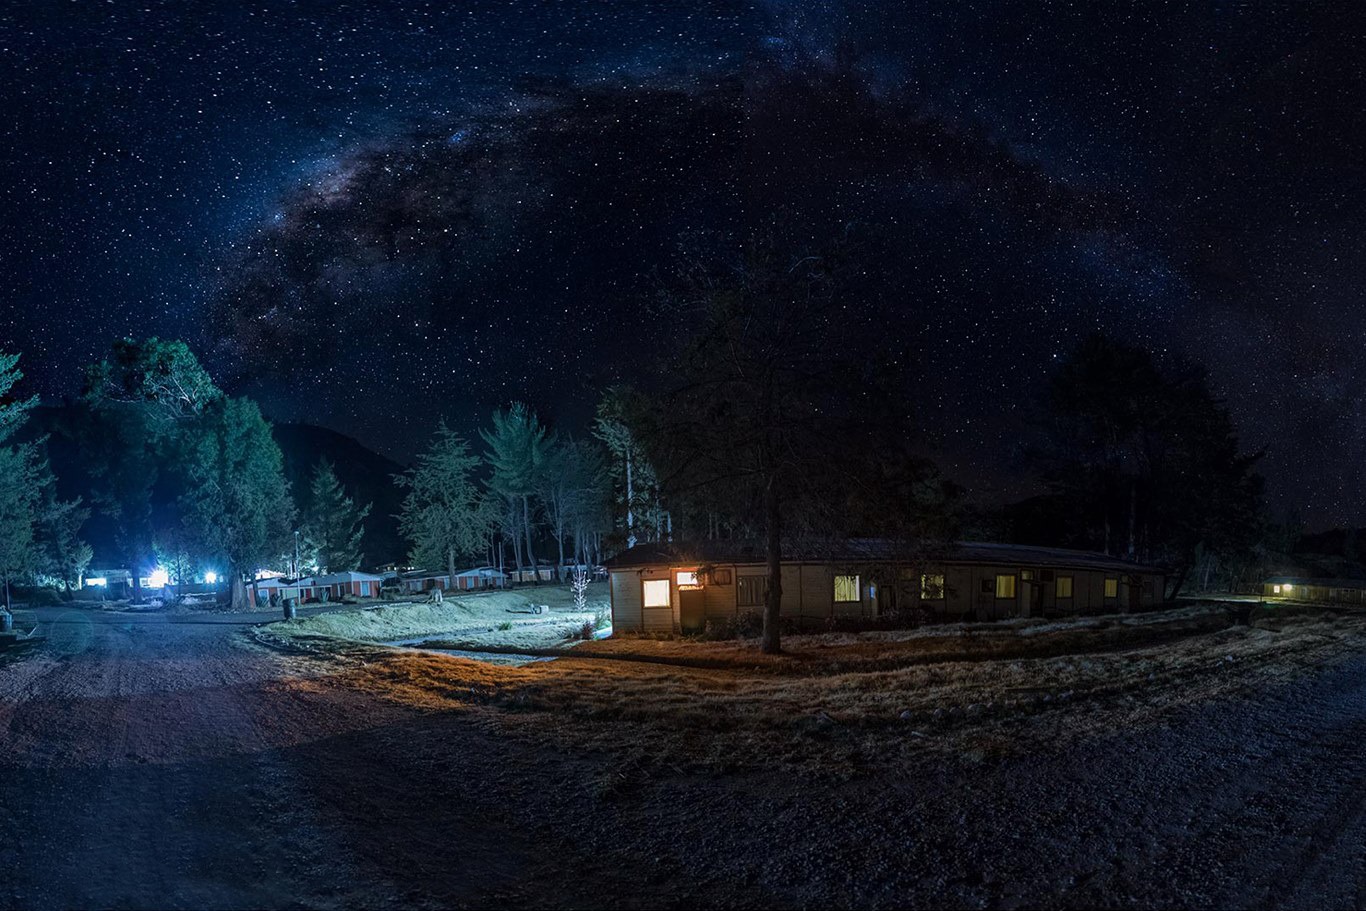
column 1111, row 582
column 645, row 585
column 928, row 587
column 1071, row 587
column 762, row 586
column 835, row 588
column 1014, row 587
column 694, row 578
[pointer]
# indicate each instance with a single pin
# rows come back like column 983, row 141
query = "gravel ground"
column 165, row 761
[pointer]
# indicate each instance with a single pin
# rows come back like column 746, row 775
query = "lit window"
column 1005, row 586
column 686, row 577
column 846, row 589
column 1064, row 586
column 1276, row 589
column 657, row 593
column 932, row 586
column 1112, row 588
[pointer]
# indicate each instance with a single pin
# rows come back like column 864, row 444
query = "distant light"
column 159, row 578
column 1285, row 589
column 211, row 577
column 97, row 580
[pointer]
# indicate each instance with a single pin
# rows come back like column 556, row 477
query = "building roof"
column 868, row 550
column 484, row 572
column 350, row 576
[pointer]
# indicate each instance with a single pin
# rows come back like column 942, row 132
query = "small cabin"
column 667, row 587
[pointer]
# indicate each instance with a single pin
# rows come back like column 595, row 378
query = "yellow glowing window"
column 1112, row 588
column 657, row 593
column 1064, row 586
column 846, row 589
column 932, row 586
column 686, row 577
column 1276, row 589
column 1005, row 586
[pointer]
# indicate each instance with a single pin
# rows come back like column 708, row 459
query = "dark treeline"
column 783, row 417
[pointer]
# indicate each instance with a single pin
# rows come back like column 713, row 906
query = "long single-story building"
column 1332, row 591
column 329, row 587
column 667, row 587
column 470, row 580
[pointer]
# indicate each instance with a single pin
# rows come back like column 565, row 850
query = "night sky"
column 368, row 216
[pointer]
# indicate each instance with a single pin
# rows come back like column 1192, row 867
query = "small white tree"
column 579, row 586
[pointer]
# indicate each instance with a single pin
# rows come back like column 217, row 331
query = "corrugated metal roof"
column 867, row 550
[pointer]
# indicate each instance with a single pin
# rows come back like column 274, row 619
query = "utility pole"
column 296, row 553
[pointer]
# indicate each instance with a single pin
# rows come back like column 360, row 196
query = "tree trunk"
column 1180, row 581
column 1133, row 508
column 771, row 643
column 530, row 554
column 450, row 565
column 630, row 499
column 240, row 602
column 559, row 567
column 137, row 583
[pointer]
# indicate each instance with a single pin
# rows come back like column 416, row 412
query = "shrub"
column 505, row 626
column 44, row 597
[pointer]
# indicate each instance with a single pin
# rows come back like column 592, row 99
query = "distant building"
column 329, row 587
column 1332, row 591
column 116, row 583
column 669, row 587
column 469, row 580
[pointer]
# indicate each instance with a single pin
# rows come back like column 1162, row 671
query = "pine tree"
column 333, row 522
column 142, row 405
column 517, row 449
column 21, row 481
column 441, row 512
column 236, row 501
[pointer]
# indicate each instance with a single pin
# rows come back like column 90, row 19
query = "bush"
column 505, row 626
column 44, row 597
column 742, row 626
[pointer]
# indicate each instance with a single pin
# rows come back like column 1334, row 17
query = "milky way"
column 372, row 218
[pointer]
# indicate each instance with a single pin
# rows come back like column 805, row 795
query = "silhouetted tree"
column 517, row 447
column 332, row 521
column 235, row 499
column 441, row 514
column 1149, row 460
column 780, row 400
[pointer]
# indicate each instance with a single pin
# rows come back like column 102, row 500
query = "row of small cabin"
column 667, row 587
column 329, row 587
column 335, row 586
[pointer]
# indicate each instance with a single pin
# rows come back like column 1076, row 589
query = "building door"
column 692, row 613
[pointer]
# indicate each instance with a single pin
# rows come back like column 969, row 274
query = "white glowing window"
column 1276, row 589
column 686, row 577
column 657, row 593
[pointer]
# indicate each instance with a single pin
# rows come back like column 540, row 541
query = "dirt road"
column 163, row 761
